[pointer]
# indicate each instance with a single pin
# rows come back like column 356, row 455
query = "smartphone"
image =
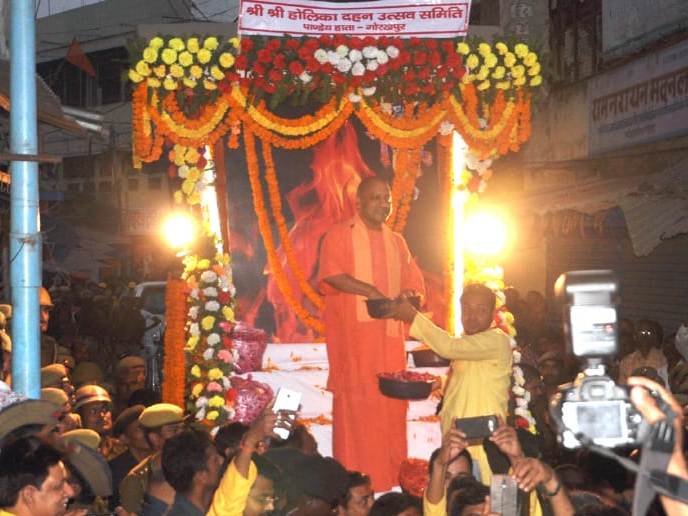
column 286, row 399
column 504, row 495
column 477, row 427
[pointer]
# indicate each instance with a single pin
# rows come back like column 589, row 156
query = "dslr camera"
column 593, row 409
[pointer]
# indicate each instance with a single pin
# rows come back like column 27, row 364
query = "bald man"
column 363, row 259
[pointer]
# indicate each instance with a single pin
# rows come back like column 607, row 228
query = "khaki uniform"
column 111, row 447
column 133, row 488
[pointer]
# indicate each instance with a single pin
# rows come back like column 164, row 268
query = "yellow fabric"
column 480, row 377
column 230, row 496
column 434, row 509
column 6, row 513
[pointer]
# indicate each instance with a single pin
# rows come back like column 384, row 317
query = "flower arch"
column 191, row 93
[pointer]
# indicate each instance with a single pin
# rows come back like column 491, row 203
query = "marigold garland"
column 395, row 136
column 295, row 127
column 406, row 169
column 173, row 387
column 283, row 230
column 266, row 233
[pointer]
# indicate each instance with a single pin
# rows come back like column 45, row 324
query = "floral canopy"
column 191, row 93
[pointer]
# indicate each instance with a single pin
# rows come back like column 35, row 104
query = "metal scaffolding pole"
column 25, row 237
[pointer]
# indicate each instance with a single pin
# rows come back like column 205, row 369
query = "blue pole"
column 25, row 238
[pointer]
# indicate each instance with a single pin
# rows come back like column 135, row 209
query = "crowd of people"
column 157, row 462
column 99, row 442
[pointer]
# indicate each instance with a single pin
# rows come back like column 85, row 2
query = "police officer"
column 145, row 484
column 94, row 405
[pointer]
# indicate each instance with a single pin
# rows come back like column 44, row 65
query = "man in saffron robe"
column 363, row 259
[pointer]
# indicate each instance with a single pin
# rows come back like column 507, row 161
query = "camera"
column 593, row 408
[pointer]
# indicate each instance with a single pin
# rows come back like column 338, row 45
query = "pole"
column 25, row 238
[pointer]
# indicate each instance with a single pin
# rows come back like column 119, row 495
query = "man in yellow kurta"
column 481, row 365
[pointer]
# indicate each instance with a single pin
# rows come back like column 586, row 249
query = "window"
column 575, row 39
column 73, row 187
column 89, row 187
column 484, row 12
column 133, row 184
column 155, row 183
column 76, row 88
column 105, row 186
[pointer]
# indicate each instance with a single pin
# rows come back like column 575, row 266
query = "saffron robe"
column 369, row 429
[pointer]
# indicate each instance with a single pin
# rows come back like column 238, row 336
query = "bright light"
column 458, row 202
column 179, row 230
column 211, row 212
column 485, row 234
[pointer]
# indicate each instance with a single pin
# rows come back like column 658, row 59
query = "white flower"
column 321, row 56
column 344, row 65
column 305, row 77
column 368, row 91
column 446, row 128
column 226, row 383
column 213, row 339
column 342, row 50
column 372, row 65
column 193, row 312
column 212, row 306
column 230, row 412
column 520, row 402
column 210, row 292
column 183, row 171
column 235, row 355
column 382, row 57
column 194, row 330
column 386, row 108
column 355, row 55
column 370, row 52
column 208, row 277
column 202, row 402
column 200, row 415
column 208, row 354
column 392, row 51
column 357, row 69
column 354, row 97
column 517, row 357
column 522, row 411
column 194, row 293
column 333, row 57
column 518, row 391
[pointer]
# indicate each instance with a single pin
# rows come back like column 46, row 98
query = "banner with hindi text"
column 402, row 18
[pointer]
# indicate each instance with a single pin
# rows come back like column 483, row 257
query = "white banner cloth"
column 402, row 18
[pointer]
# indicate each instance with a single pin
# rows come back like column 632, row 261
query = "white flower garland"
column 505, row 321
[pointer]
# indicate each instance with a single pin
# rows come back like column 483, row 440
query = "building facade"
column 603, row 181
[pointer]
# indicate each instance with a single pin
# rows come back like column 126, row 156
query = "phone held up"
column 477, row 427
column 286, row 399
column 503, row 495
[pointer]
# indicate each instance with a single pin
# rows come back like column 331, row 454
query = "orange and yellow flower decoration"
column 190, row 93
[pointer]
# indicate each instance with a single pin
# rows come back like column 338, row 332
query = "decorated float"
column 405, row 70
